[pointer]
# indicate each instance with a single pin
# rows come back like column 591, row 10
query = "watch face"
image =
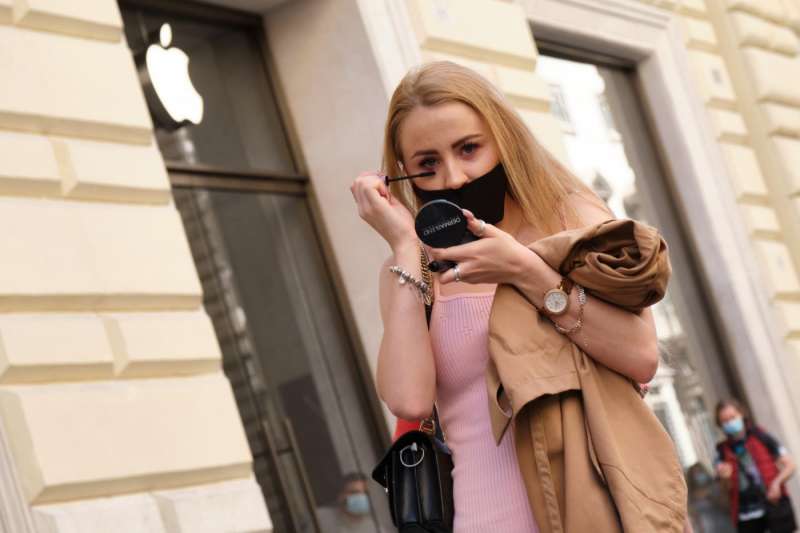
column 556, row 301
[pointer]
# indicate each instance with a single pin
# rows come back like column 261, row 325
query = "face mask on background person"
column 357, row 504
column 701, row 479
column 484, row 196
column 733, row 426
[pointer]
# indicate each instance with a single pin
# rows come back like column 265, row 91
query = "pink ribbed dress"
column 488, row 489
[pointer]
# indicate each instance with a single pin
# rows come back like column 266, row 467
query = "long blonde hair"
column 537, row 180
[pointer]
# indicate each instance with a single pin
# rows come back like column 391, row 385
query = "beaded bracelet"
column 405, row 277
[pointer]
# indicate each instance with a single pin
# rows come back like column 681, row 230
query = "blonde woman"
column 448, row 120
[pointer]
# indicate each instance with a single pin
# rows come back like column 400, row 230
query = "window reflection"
column 286, row 357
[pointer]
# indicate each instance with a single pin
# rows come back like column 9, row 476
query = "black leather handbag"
column 416, row 472
column 417, row 475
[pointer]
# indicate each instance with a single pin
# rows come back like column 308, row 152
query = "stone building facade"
column 117, row 409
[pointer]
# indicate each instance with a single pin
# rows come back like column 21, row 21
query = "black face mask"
column 484, row 196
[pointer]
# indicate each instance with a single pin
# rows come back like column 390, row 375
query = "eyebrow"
column 455, row 144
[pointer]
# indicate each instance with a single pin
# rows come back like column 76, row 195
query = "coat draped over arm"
column 593, row 455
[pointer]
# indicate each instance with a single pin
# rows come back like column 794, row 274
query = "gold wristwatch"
column 556, row 300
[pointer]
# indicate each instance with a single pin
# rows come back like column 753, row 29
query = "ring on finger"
column 481, row 228
column 457, row 273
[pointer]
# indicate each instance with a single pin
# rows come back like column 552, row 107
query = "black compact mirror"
column 440, row 224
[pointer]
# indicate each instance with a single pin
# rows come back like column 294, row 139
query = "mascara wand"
column 387, row 179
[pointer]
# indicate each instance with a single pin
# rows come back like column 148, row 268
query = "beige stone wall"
column 110, row 374
column 758, row 41
column 745, row 59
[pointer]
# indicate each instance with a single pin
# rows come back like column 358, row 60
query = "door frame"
column 653, row 40
column 697, row 314
column 699, row 319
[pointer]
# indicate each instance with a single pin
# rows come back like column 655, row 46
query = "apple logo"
column 170, row 94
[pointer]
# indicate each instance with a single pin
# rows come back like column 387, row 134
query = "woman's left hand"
column 496, row 257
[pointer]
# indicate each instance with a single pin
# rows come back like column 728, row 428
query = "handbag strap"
column 431, row 424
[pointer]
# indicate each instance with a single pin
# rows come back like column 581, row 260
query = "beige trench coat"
column 593, row 455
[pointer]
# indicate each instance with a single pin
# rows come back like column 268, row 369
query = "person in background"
column 707, row 507
column 754, row 468
column 352, row 513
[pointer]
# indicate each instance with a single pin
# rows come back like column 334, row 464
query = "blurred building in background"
column 189, row 320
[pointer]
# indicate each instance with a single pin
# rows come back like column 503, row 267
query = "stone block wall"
column 758, row 40
column 115, row 411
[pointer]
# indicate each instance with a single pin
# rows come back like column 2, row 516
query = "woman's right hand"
column 385, row 213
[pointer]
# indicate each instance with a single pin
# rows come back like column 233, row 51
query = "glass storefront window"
column 302, row 395
column 285, row 352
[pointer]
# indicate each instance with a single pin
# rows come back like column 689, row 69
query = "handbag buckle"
column 414, row 449
column 428, row 426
